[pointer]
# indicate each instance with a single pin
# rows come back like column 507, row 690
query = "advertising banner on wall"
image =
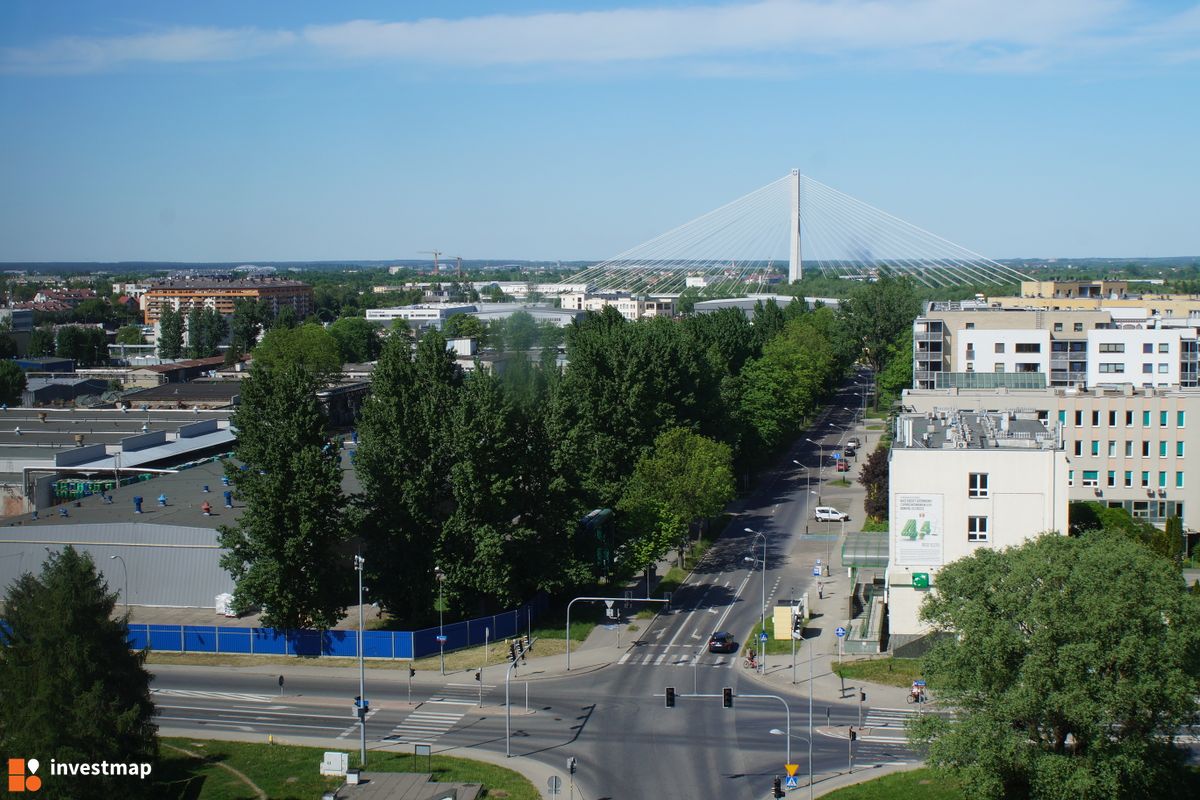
column 919, row 530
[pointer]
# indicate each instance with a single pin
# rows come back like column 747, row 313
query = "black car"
column 722, row 642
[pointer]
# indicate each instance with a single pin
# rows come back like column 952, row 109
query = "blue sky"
column 233, row 131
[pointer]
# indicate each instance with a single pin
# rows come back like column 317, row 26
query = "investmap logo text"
column 22, row 775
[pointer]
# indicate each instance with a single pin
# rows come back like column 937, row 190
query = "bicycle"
column 749, row 663
column 917, row 697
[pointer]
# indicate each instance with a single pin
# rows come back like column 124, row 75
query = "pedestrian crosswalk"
column 656, row 659
column 241, row 697
column 439, row 714
column 888, row 724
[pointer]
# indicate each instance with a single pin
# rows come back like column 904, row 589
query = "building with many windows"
column 960, row 481
column 631, row 306
column 223, row 296
column 1127, row 447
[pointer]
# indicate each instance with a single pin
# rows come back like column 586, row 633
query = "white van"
column 830, row 514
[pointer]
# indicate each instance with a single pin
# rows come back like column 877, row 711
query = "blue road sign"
column 918, row 683
column 840, row 631
column 837, row 456
column 816, row 572
column 762, row 637
column 791, row 782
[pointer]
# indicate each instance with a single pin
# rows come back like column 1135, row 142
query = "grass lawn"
column 839, row 482
column 775, row 647
column 886, row 671
column 286, row 772
column 917, row 784
column 677, row 575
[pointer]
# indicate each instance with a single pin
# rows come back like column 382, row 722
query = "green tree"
column 1070, row 663
column 682, row 478
column 285, row 549
column 310, row 346
column 357, row 340
column 897, row 372
column 874, row 478
column 464, row 325
column 877, row 315
column 72, row 687
column 87, row 346
column 170, row 334
column 42, row 342
column 246, row 325
column 130, row 334
column 12, row 383
column 206, row 329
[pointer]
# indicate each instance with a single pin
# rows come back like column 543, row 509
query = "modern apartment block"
column 632, row 307
column 1064, row 347
column 223, row 295
column 961, row 481
column 1128, row 447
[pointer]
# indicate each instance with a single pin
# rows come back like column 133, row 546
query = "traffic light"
column 670, row 697
column 412, row 673
column 571, row 765
column 526, row 645
column 477, row 676
column 727, row 697
column 512, row 652
column 862, row 697
column 778, row 787
column 853, row 734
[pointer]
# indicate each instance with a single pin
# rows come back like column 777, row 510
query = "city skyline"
column 306, row 132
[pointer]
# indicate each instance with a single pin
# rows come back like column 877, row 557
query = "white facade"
column 959, row 483
column 420, row 316
column 631, row 307
column 1141, row 356
column 1004, row 351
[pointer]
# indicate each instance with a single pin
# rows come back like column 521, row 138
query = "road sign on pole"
column 791, row 782
column 791, row 768
column 816, row 571
column 839, row 631
column 762, row 637
column 554, row 784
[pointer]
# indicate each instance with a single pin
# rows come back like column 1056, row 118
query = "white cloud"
column 961, row 35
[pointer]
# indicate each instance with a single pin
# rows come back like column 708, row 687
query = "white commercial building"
column 1005, row 351
column 959, row 482
column 632, row 307
column 418, row 316
column 1141, row 356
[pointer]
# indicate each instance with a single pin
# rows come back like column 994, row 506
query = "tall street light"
column 362, row 675
column 125, row 591
column 821, row 468
column 441, row 579
column 807, row 492
column 763, row 624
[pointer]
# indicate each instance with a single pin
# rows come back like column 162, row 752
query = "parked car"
column 830, row 514
column 722, row 642
column 843, row 465
column 853, row 442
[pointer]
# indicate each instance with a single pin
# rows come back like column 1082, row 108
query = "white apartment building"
column 1127, row 447
column 958, row 482
column 1143, row 357
column 1004, row 351
column 631, row 307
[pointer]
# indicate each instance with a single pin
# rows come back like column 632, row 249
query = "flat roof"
column 956, row 429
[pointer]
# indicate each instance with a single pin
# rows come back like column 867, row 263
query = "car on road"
column 722, row 642
column 830, row 514
column 853, row 443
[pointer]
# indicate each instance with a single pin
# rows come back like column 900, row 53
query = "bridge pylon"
column 795, row 261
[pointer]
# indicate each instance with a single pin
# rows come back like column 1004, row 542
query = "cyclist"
column 752, row 657
column 917, row 693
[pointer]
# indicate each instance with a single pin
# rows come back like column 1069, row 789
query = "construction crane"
column 435, row 254
column 459, row 260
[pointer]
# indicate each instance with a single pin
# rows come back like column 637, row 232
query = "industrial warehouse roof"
column 168, row 565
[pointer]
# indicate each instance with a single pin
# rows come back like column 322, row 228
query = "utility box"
column 335, row 763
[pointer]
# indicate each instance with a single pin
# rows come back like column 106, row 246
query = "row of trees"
column 87, row 345
column 486, row 476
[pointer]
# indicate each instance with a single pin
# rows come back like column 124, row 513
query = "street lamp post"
column 763, row 624
column 441, row 579
column 125, row 591
column 821, row 467
column 807, row 492
column 362, row 675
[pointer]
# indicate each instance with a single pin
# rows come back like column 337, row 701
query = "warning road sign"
column 791, row 768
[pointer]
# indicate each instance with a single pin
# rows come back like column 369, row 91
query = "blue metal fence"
column 336, row 642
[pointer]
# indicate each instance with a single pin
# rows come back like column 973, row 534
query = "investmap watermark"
column 23, row 772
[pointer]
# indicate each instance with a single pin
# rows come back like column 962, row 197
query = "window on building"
column 1112, row 448
column 1112, row 478
column 1128, row 479
column 1147, row 369
column 1164, row 347
column 1029, row 347
column 1179, row 419
column 977, row 484
column 1128, row 419
column 1078, row 418
column 999, row 347
column 1091, row 477
column 1108, row 368
column 1145, row 479
column 1145, row 419
column 1095, row 447
column 1078, row 327
column 1179, row 449
column 1062, row 418
column 1078, row 447
column 1163, row 369
column 1095, row 418
column 998, row 368
column 1178, row 480
column 1058, row 327
column 1145, row 448
column 1163, row 416
column 1162, row 480
column 977, row 529
column 1129, row 448
column 1162, row 449
column 1112, row 347
column 970, row 326
column 1147, row 347
column 1112, row 419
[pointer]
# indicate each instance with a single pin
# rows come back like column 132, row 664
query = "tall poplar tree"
column 170, row 334
column 284, row 550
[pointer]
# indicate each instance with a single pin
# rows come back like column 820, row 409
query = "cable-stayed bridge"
column 798, row 223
